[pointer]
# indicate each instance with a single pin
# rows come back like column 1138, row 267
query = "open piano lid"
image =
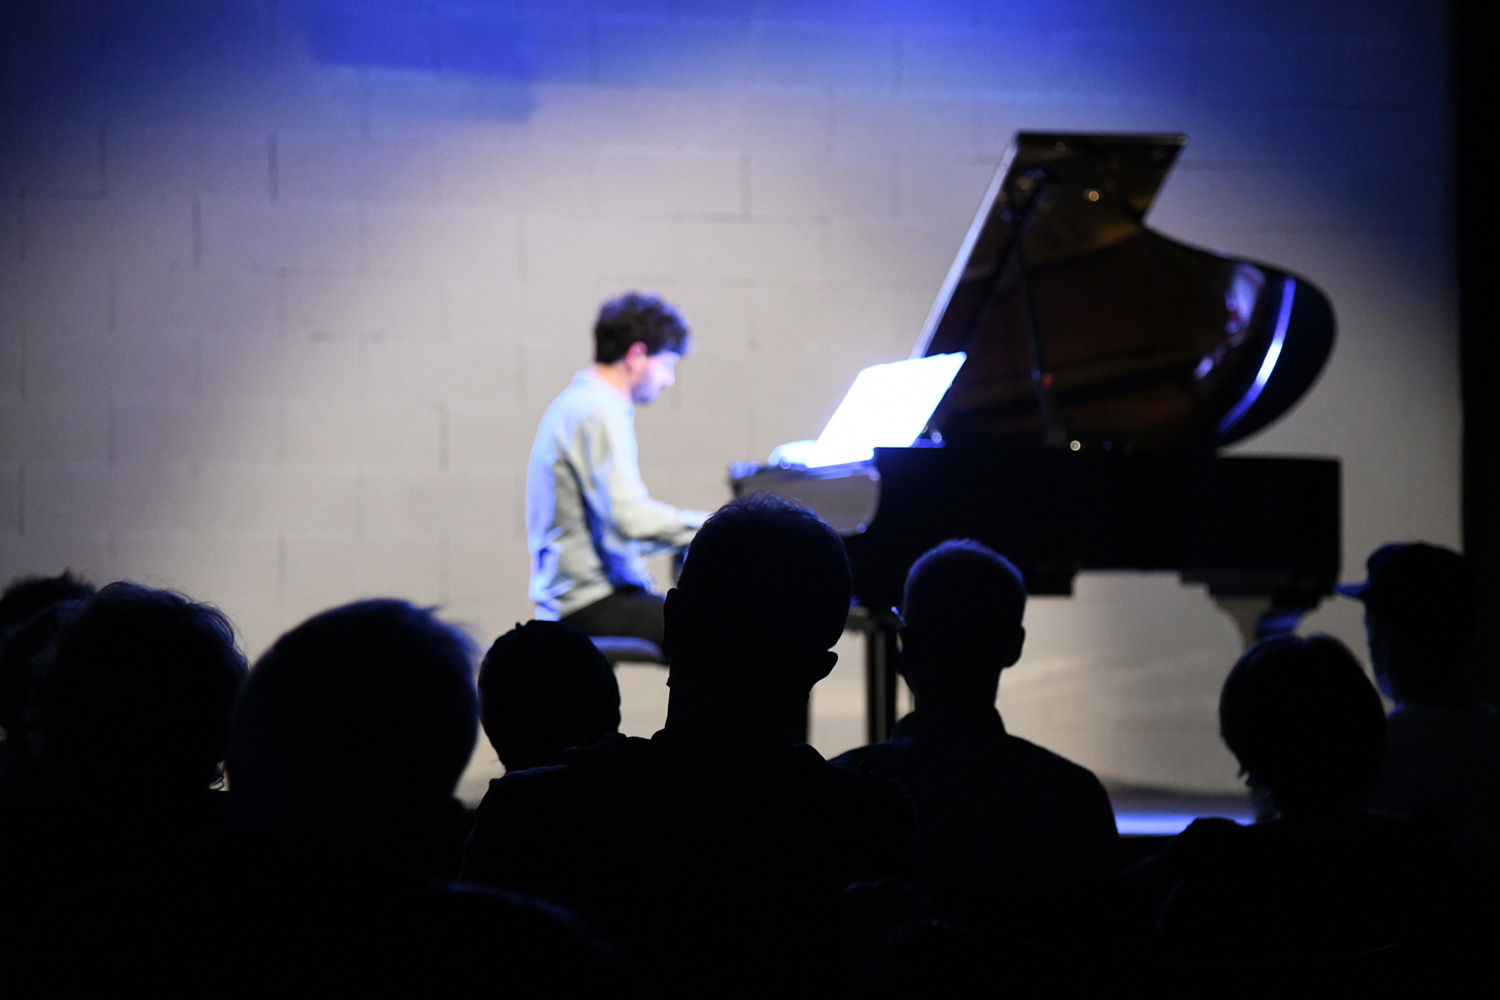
column 1084, row 325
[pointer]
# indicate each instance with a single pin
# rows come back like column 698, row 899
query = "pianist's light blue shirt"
column 589, row 521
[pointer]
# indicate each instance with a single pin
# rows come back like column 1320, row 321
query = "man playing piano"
column 589, row 521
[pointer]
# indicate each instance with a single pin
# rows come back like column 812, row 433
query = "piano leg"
column 880, row 670
column 881, row 680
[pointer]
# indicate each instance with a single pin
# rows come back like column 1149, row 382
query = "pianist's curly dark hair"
column 636, row 317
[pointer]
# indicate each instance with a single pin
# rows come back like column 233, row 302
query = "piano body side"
column 1242, row 525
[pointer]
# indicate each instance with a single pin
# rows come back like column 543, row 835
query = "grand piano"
column 1107, row 364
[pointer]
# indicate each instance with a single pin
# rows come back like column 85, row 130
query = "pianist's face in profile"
column 653, row 374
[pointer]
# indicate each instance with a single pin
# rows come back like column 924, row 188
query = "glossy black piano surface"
column 1083, row 325
column 1106, row 362
column 1241, row 525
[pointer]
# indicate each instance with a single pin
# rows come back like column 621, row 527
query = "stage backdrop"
column 284, row 286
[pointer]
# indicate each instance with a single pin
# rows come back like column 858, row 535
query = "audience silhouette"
column 722, row 857
column 717, row 851
column 32, row 612
column 26, row 597
column 997, row 816
column 29, row 595
column 544, row 687
column 128, row 725
column 1442, row 746
column 347, row 742
column 135, row 705
column 354, row 730
column 1324, row 876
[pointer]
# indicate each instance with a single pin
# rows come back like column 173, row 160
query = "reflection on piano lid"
column 1084, row 325
column 1106, row 363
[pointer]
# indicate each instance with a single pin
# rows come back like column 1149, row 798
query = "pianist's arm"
column 614, row 489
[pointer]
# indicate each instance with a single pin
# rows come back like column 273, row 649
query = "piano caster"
column 1259, row 617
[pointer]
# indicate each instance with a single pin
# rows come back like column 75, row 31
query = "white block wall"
column 285, row 285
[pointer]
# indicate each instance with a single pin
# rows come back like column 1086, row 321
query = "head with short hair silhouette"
column 960, row 624
column 27, row 596
column 32, row 610
column 762, row 599
column 25, row 600
column 137, row 699
column 543, row 687
column 1421, row 610
column 358, row 722
column 1304, row 722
